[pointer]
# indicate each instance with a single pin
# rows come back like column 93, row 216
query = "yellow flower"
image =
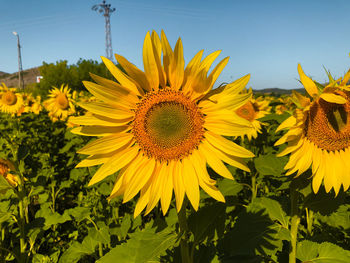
column 5, row 167
column 252, row 111
column 61, row 104
column 159, row 128
column 11, row 101
column 319, row 133
column 32, row 104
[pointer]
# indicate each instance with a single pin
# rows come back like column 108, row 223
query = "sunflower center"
column 62, row 101
column 9, row 98
column 247, row 111
column 168, row 125
column 3, row 169
column 328, row 124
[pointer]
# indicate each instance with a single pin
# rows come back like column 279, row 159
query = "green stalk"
column 254, row 187
column 294, row 225
column 21, row 223
column 184, row 231
column 309, row 220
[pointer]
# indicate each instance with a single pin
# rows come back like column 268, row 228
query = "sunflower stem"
column 309, row 220
column 294, row 224
column 21, row 223
column 254, row 187
column 184, row 232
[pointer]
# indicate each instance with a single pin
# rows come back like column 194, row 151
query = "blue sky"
column 264, row 38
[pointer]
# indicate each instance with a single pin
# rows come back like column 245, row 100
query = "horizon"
column 267, row 39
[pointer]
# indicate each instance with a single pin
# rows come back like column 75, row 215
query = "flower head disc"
column 168, row 125
column 62, row 101
column 10, row 101
column 247, row 111
column 252, row 110
column 319, row 135
column 60, row 104
column 328, row 125
column 9, row 98
column 159, row 128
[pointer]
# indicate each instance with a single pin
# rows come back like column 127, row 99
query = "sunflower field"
column 160, row 165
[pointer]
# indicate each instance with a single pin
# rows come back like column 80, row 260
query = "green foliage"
column 67, row 221
column 321, row 253
column 54, row 75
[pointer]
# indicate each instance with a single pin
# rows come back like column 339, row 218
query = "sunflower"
column 60, row 104
column 11, row 101
column 5, row 167
column 159, row 128
column 286, row 104
column 319, row 133
column 252, row 110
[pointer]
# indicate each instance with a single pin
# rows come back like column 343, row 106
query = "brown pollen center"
column 167, row 125
column 9, row 98
column 62, row 101
column 248, row 111
column 328, row 124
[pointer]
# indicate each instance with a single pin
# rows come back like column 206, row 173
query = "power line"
column 107, row 10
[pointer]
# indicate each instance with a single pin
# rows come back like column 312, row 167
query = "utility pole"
column 20, row 79
column 107, row 10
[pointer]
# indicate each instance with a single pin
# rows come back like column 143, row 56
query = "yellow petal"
column 150, row 64
column 179, row 66
column 111, row 95
column 107, row 144
column 216, row 72
column 167, row 188
column 308, row 83
column 99, row 130
column 140, row 178
column 122, row 78
column 143, row 200
column 104, row 109
column 179, row 188
column 214, row 162
column 99, row 120
column 204, row 180
column 289, row 122
column 133, row 72
column 227, row 146
column 95, row 159
column 191, row 183
column 157, row 49
column 156, row 187
column 208, row 61
column 333, row 98
column 114, row 164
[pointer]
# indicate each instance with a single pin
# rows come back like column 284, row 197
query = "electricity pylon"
column 106, row 10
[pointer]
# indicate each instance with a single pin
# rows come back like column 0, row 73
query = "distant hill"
column 277, row 91
column 11, row 79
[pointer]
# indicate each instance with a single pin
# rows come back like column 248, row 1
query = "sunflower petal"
column 308, row 83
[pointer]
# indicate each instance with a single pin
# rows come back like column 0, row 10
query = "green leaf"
column 51, row 218
column 270, row 164
column 4, row 185
column 273, row 209
column 207, row 222
column 229, row 187
column 253, row 234
column 22, row 152
column 338, row 219
column 276, row 117
column 79, row 213
column 308, row 251
column 324, row 203
column 143, row 246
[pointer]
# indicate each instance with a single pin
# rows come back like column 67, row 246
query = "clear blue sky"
column 265, row 38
